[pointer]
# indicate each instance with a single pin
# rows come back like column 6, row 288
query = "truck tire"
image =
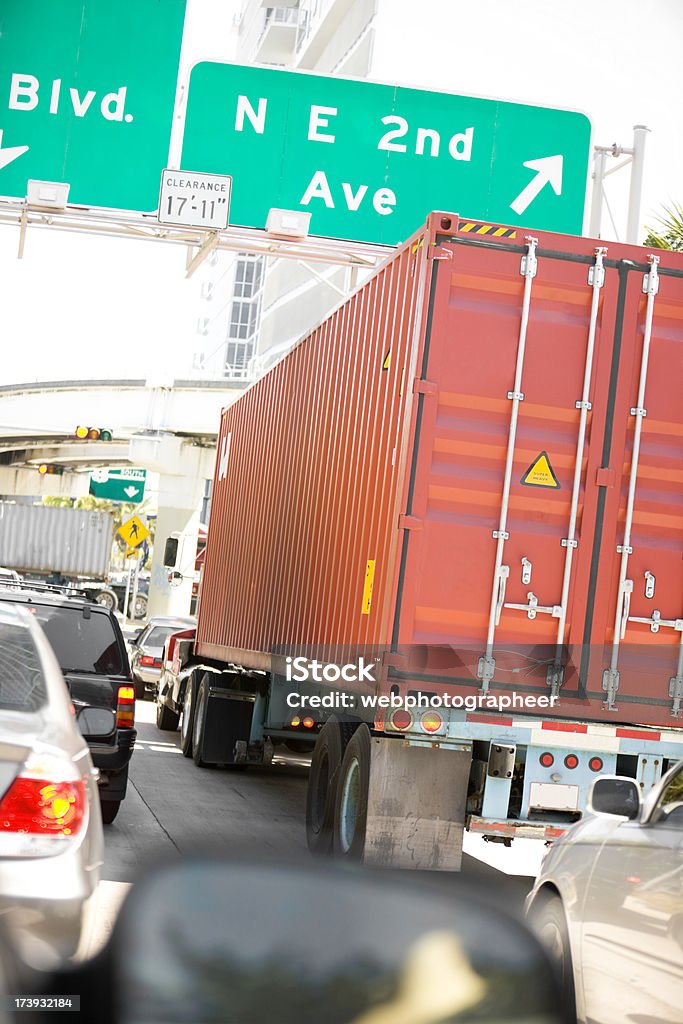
column 109, row 808
column 107, row 598
column 187, row 720
column 201, row 705
column 548, row 920
column 167, row 720
column 322, row 782
column 351, row 803
column 140, row 609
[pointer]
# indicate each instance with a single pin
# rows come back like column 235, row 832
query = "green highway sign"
column 87, row 90
column 119, row 484
column 369, row 161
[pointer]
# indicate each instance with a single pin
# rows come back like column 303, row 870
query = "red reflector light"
column 431, row 722
column 146, row 660
column 308, row 723
column 571, row 761
column 595, row 764
column 41, row 807
column 547, row 759
column 401, row 720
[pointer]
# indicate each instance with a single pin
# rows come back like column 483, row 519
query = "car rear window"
column 22, row 685
column 82, row 643
column 158, row 634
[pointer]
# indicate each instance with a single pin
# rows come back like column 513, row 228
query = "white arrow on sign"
column 131, row 491
column 548, row 172
column 10, row 153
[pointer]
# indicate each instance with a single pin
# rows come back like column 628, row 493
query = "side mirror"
column 212, row 940
column 96, row 723
column 614, row 795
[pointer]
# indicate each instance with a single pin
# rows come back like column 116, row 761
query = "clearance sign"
column 369, row 161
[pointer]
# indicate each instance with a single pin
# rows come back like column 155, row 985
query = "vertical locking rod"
column 487, row 664
column 611, row 675
column 598, row 279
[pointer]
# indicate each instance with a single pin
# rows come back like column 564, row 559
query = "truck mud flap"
column 416, row 806
column 227, row 722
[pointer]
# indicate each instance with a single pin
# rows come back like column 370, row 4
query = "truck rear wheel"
column 322, row 782
column 351, row 804
column 187, row 721
column 167, row 720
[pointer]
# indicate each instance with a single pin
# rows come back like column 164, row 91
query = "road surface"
column 174, row 809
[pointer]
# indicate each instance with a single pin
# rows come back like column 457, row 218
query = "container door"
column 636, row 657
column 503, row 495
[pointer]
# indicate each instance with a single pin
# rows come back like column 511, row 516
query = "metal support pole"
column 125, row 600
column 633, row 226
column 599, row 162
column 136, row 575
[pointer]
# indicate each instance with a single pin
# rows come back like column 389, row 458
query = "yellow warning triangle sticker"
column 387, row 361
column 540, row 473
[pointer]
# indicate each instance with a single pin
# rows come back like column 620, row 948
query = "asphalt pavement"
column 174, row 809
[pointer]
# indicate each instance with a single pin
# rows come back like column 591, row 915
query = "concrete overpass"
column 168, row 427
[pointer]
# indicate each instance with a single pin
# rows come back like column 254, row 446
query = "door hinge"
column 424, row 387
column 409, row 523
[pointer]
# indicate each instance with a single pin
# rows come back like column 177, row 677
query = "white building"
column 254, row 308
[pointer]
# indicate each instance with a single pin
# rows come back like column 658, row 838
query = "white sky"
column 85, row 307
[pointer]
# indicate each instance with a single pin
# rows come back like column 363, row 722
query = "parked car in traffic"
column 51, row 845
column 91, row 653
column 608, row 903
column 147, row 650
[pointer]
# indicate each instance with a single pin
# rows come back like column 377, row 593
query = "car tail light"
column 401, row 720
column 44, row 806
column 125, row 707
column 571, row 761
column 147, row 660
column 547, row 759
column 596, row 764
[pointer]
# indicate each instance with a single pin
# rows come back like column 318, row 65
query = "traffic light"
column 94, row 434
column 45, row 469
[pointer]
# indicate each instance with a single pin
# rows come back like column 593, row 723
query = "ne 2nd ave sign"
column 369, row 161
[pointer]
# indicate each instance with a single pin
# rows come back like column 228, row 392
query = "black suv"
column 91, row 652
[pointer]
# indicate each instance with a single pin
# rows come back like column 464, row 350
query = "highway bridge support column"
column 183, row 468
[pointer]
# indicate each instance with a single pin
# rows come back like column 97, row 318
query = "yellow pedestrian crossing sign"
column 133, row 531
column 540, row 473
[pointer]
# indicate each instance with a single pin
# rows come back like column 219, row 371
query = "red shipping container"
column 361, row 494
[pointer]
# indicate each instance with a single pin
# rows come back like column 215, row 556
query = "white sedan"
column 608, row 903
column 51, row 843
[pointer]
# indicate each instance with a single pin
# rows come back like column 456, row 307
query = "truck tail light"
column 571, row 761
column 596, row 764
column 431, row 722
column 308, row 722
column 547, row 759
column 125, row 707
column 401, row 720
column 43, row 807
column 296, row 721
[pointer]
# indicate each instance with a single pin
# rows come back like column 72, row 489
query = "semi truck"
column 445, row 547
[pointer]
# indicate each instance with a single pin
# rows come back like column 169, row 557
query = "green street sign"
column 119, row 484
column 369, row 161
column 87, row 90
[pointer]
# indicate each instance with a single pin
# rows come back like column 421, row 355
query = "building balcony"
column 276, row 41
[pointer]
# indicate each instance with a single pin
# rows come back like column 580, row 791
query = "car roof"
column 26, row 595
column 170, row 620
